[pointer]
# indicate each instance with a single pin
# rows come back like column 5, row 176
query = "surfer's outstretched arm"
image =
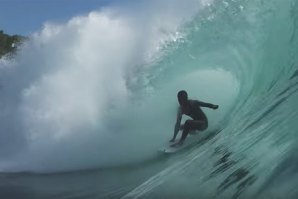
column 177, row 125
column 208, row 105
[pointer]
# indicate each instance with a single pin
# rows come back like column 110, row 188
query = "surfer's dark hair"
column 182, row 96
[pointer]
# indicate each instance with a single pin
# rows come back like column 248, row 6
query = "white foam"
column 66, row 100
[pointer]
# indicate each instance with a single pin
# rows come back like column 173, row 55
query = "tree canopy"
column 9, row 43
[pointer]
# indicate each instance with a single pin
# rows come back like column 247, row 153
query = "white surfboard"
column 189, row 141
column 192, row 139
column 174, row 149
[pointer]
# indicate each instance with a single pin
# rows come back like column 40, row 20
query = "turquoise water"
column 86, row 104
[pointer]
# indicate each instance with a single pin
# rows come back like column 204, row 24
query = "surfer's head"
column 182, row 97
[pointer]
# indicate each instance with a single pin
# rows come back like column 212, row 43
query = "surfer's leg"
column 181, row 127
column 192, row 125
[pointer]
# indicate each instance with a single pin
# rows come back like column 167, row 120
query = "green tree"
column 8, row 44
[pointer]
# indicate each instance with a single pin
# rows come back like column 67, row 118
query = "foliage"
column 8, row 44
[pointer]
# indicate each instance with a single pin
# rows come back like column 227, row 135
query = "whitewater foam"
column 67, row 97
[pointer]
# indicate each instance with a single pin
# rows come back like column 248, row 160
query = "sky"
column 27, row 16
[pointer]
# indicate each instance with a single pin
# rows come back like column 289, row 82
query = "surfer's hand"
column 172, row 140
column 215, row 107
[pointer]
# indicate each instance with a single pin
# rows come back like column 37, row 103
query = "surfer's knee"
column 187, row 124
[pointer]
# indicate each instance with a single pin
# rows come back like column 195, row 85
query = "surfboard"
column 174, row 149
column 190, row 141
column 194, row 137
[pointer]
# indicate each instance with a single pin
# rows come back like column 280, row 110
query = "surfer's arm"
column 208, row 105
column 177, row 125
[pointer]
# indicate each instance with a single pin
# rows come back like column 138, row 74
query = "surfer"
column 192, row 109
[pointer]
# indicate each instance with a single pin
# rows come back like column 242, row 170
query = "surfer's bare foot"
column 177, row 144
column 180, row 143
column 173, row 145
column 172, row 140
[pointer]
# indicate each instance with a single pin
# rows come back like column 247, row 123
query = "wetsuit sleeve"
column 204, row 104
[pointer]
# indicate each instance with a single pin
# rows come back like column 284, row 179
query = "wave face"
column 254, row 156
column 100, row 91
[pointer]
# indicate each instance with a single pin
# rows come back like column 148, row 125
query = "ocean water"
column 85, row 104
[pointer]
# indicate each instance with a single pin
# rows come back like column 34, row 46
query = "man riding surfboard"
column 192, row 109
